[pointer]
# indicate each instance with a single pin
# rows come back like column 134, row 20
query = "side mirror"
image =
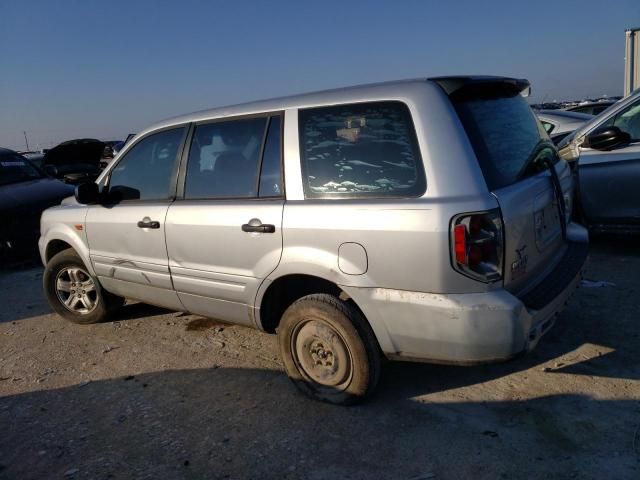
column 607, row 138
column 87, row 193
column 51, row 170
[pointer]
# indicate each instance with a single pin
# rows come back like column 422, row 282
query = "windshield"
column 504, row 132
column 14, row 169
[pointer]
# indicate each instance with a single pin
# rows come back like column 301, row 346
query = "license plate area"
column 546, row 218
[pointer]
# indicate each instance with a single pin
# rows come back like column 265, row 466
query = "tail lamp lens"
column 477, row 248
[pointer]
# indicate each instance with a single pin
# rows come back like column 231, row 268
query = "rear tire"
column 75, row 294
column 329, row 350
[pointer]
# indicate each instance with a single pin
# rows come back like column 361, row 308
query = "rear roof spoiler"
column 465, row 87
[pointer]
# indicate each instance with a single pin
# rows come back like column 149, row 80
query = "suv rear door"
column 224, row 231
column 515, row 155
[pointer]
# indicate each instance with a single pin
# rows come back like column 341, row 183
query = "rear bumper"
column 469, row 328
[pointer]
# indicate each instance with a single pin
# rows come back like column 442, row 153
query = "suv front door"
column 224, row 230
column 608, row 180
column 126, row 234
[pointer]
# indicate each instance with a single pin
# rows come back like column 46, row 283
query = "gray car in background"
column 560, row 123
column 605, row 153
column 423, row 220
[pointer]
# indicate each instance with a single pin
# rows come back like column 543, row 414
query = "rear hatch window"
column 504, row 133
column 516, row 157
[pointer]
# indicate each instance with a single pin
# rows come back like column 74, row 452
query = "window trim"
column 421, row 174
column 182, row 174
column 268, row 129
column 106, row 181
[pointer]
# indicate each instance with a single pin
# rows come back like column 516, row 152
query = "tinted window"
column 270, row 175
column 223, row 159
column 145, row 171
column 504, row 133
column 360, row 150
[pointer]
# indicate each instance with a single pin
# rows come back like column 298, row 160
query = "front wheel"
column 73, row 293
column 329, row 350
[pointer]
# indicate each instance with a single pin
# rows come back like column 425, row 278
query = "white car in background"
column 560, row 123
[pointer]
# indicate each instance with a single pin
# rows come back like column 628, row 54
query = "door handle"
column 255, row 225
column 146, row 222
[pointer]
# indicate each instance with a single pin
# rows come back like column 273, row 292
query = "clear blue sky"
column 106, row 68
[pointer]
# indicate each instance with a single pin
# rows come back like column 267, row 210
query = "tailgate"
column 533, row 240
column 517, row 158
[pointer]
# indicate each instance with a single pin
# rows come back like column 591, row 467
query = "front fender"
column 64, row 231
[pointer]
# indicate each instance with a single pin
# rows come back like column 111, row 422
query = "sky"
column 103, row 69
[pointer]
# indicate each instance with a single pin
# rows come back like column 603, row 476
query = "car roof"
column 564, row 115
column 391, row 89
column 7, row 151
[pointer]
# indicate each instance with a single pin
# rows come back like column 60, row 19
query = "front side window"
column 628, row 120
column 145, row 171
column 360, row 150
column 224, row 159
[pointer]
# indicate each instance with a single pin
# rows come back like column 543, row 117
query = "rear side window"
column 224, row 159
column 504, row 133
column 360, row 150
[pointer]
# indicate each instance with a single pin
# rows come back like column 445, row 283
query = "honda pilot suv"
column 427, row 220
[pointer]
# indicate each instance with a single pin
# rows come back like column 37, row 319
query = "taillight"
column 477, row 245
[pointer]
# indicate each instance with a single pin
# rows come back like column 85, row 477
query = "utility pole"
column 26, row 141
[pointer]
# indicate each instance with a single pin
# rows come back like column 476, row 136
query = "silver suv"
column 425, row 219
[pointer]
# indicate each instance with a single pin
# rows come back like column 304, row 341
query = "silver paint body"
column 392, row 257
column 608, row 180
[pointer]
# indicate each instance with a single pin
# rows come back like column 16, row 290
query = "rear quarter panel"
column 406, row 240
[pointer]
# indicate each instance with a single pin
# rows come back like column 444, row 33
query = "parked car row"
column 33, row 181
column 589, row 106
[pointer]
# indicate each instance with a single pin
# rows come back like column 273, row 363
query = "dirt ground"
column 162, row 395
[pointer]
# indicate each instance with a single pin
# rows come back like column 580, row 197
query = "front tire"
column 329, row 350
column 73, row 293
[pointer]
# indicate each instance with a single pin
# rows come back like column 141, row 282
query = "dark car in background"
column 25, row 191
column 75, row 161
column 108, row 152
column 120, row 145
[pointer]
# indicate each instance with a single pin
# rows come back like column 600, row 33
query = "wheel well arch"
column 285, row 290
column 54, row 247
